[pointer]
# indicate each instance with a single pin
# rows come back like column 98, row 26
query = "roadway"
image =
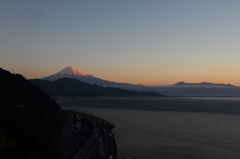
column 71, row 145
column 110, row 144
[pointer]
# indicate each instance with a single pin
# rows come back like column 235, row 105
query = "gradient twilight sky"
column 148, row 42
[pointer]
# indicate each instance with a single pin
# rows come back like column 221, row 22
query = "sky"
column 148, row 42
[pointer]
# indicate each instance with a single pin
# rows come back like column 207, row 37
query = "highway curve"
column 72, row 145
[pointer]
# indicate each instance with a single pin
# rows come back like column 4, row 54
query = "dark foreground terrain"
column 33, row 126
column 28, row 119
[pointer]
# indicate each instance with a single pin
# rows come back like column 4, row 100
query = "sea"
column 169, row 127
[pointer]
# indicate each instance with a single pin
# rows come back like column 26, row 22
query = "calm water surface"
column 169, row 128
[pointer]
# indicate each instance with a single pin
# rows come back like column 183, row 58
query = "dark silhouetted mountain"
column 72, row 72
column 74, row 87
column 28, row 118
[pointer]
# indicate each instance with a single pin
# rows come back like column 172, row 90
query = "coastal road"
column 87, row 149
column 67, row 144
column 71, row 144
column 110, row 144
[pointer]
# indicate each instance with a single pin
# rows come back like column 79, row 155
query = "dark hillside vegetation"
column 28, row 119
column 73, row 87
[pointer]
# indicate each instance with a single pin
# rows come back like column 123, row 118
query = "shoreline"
column 58, row 98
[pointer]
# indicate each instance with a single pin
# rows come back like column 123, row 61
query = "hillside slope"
column 28, row 118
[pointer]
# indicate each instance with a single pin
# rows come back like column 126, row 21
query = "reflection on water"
column 144, row 133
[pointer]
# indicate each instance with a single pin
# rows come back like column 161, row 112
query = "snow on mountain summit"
column 69, row 72
column 72, row 71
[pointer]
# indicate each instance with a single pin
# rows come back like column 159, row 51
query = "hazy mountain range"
column 178, row 89
column 204, row 84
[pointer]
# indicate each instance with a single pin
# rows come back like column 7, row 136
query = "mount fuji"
column 72, row 72
column 68, row 72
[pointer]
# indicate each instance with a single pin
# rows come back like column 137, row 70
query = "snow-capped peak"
column 69, row 72
column 72, row 71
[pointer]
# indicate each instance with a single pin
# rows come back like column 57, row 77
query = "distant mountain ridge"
column 74, row 87
column 203, row 84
